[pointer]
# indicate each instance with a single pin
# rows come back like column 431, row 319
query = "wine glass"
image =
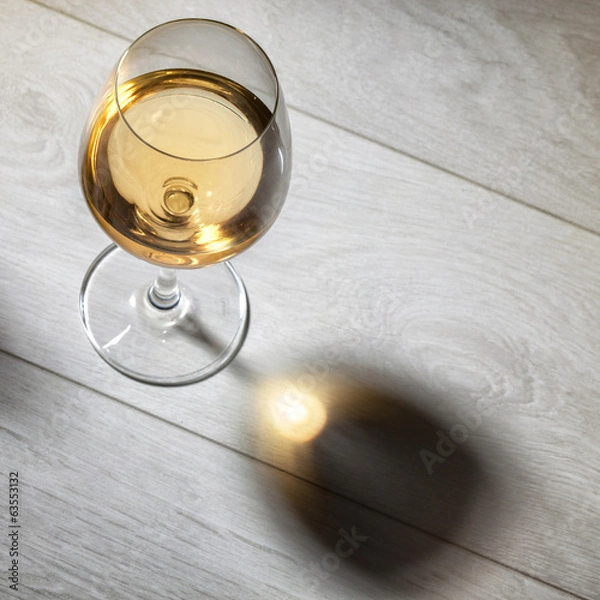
column 185, row 162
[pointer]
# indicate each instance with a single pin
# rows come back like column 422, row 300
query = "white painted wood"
column 379, row 262
column 498, row 91
column 115, row 503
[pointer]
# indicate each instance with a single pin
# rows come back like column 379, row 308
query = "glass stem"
column 164, row 293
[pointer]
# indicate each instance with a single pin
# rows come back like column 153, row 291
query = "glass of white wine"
column 185, row 162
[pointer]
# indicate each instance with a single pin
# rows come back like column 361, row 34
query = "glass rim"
column 252, row 42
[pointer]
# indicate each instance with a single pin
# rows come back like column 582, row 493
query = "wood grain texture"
column 501, row 93
column 379, row 263
column 116, row 503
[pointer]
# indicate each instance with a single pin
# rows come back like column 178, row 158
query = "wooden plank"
column 115, row 503
column 501, row 93
column 387, row 265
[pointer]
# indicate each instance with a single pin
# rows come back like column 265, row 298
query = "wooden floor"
column 434, row 279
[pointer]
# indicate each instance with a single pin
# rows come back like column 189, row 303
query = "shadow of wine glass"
column 368, row 470
column 215, row 345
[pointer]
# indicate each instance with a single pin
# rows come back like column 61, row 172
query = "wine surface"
column 177, row 176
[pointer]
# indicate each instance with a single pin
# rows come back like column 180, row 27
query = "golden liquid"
column 179, row 179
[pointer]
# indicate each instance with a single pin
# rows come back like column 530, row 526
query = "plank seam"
column 364, row 137
column 284, row 471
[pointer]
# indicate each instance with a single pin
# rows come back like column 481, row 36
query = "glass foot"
column 184, row 343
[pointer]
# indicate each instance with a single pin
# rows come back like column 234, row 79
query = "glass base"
column 186, row 343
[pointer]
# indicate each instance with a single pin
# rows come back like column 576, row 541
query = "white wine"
column 190, row 171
